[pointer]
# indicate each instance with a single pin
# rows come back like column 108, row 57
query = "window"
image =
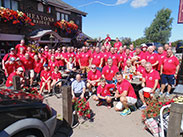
column 10, row 4
column 66, row 18
column 14, row 5
column 58, row 16
column 62, row 17
column 7, row 4
column 40, row 7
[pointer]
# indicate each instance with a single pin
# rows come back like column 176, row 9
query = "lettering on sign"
column 40, row 19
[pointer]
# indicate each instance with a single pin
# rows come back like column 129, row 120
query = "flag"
column 180, row 17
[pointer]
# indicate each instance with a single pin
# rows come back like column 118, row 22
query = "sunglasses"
column 93, row 68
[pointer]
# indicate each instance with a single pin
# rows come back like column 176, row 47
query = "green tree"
column 174, row 44
column 160, row 29
column 139, row 41
column 126, row 40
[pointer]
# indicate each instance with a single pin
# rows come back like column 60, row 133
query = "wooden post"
column 174, row 126
column 67, row 104
column 16, row 83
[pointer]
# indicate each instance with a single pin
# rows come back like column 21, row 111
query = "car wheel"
column 27, row 133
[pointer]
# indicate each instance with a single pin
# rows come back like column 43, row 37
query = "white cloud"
column 121, row 2
column 139, row 3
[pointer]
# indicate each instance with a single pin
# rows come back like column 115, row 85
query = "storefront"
column 47, row 27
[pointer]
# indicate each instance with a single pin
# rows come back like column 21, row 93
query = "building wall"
column 43, row 20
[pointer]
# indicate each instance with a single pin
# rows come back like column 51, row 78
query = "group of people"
column 105, row 66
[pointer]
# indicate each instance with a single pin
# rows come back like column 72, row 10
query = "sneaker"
column 167, row 94
column 160, row 94
column 125, row 112
column 143, row 107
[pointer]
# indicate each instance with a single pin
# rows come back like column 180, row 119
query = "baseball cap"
column 45, row 65
column 20, row 69
column 143, row 45
column 12, row 49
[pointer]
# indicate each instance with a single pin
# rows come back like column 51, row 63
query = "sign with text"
column 180, row 17
column 40, row 19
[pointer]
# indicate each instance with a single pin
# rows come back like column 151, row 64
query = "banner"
column 180, row 18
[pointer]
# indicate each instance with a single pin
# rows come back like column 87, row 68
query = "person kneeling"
column 103, row 93
column 125, row 92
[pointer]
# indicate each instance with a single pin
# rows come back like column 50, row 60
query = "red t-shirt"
column 143, row 55
column 10, row 68
column 38, row 66
column 61, row 62
column 152, row 58
column 84, row 59
column 28, row 64
column 150, row 78
column 125, row 58
column 9, row 81
column 5, row 58
column 45, row 74
column 108, row 38
column 160, row 59
column 97, row 59
column 126, row 86
column 68, row 55
column 94, row 76
column 21, row 56
column 117, row 44
column 31, row 54
column 141, row 69
column 56, row 76
column 109, row 73
column 18, row 47
column 77, row 59
column 105, row 90
column 52, row 65
column 169, row 65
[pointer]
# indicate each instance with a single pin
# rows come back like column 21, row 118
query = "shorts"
column 167, row 79
column 142, row 91
column 29, row 73
column 103, row 99
column 131, row 101
column 109, row 81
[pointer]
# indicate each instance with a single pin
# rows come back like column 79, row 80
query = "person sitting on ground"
column 45, row 79
column 70, row 65
column 56, row 76
column 94, row 76
column 103, row 93
column 150, row 83
column 109, row 71
column 169, row 70
column 126, row 94
column 78, row 87
column 129, row 68
column 18, row 72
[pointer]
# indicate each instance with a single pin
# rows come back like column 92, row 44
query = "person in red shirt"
column 10, row 66
column 106, row 55
column 144, row 51
column 97, row 59
column 18, row 72
column 70, row 54
column 125, row 92
column 29, row 51
column 93, row 78
column 45, row 51
column 21, row 46
column 103, row 93
column 114, row 56
column 38, row 67
column 136, row 59
column 118, row 44
column 169, row 70
column 161, row 56
column 56, row 76
column 152, row 57
column 109, row 71
column 52, row 63
column 108, row 38
column 8, row 56
column 21, row 54
column 84, row 60
column 45, row 79
column 29, row 68
column 150, row 83
column 132, row 51
column 59, row 56
column 141, row 68
column 126, row 56
column 19, row 63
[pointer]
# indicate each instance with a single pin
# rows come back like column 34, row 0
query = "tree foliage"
column 126, row 40
column 160, row 29
column 140, row 41
column 174, row 44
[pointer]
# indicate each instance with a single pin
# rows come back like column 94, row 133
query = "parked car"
column 179, row 47
column 25, row 118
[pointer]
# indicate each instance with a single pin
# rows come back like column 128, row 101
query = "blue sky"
column 125, row 18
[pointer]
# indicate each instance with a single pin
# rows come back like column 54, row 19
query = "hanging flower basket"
column 16, row 17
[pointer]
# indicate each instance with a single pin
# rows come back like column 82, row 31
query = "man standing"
column 109, row 71
column 21, row 46
column 161, row 56
column 150, row 82
column 78, row 87
column 118, row 44
column 125, row 92
column 169, row 70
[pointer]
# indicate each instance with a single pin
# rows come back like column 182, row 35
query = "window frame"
column 11, row 4
column 39, row 3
